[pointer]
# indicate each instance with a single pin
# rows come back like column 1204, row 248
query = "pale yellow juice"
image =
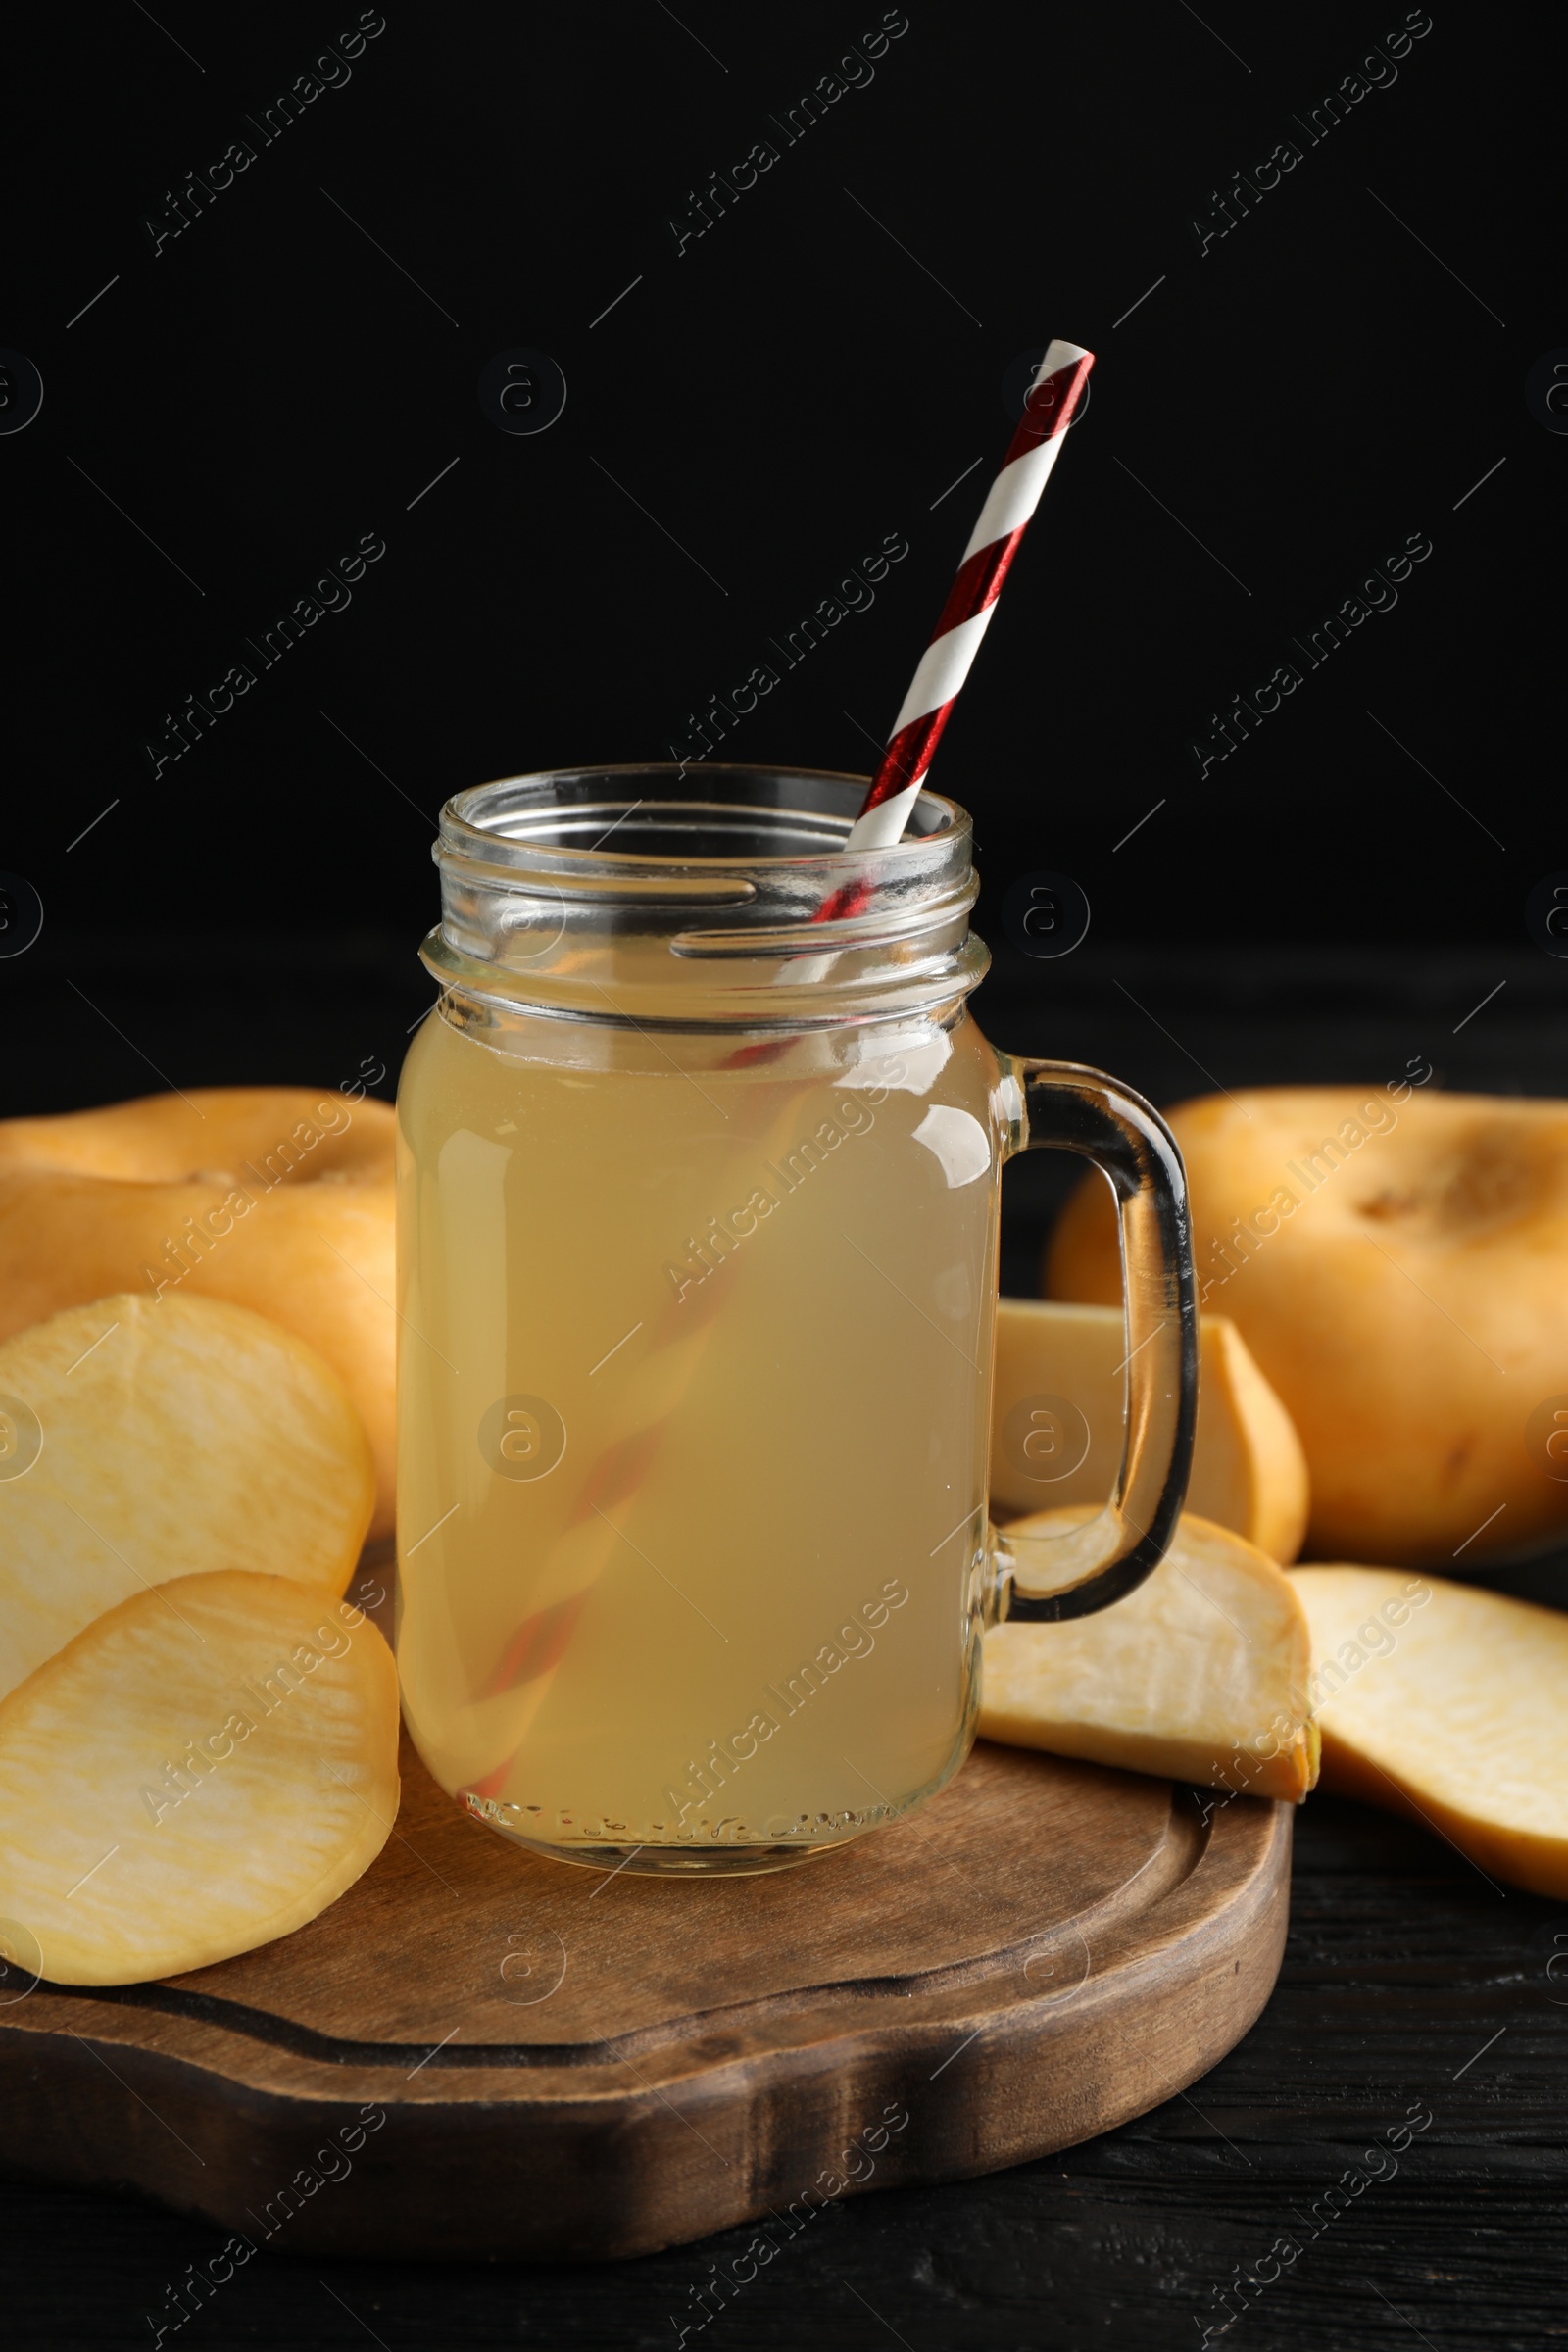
column 694, row 1382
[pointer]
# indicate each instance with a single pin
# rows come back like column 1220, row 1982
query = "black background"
column 1274, row 418
column 1303, row 397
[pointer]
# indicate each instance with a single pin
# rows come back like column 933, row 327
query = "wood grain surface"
column 590, row 2063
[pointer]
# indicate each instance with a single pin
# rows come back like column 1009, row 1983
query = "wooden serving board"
column 569, row 2065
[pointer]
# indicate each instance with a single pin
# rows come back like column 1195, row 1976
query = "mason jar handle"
column 1069, row 1107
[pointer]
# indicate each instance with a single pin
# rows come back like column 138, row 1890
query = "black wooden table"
column 1267, row 2202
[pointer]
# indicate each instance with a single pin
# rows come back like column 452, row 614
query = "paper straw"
column 523, row 1674
column 966, row 616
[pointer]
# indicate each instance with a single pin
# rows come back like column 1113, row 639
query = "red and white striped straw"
column 956, row 640
column 538, row 1643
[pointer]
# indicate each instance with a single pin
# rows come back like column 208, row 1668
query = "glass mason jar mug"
column 699, row 1172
